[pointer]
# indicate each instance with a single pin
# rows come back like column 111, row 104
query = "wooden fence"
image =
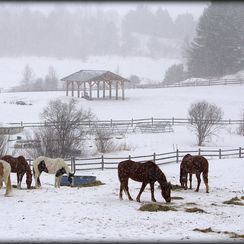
column 130, row 123
column 101, row 163
column 194, row 83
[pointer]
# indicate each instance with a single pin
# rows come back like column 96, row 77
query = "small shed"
column 98, row 80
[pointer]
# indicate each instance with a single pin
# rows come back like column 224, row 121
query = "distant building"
column 90, row 80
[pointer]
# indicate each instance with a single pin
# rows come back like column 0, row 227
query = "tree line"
column 81, row 33
column 218, row 46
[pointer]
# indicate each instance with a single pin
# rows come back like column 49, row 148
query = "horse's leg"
column 190, row 178
column 152, row 191
column 185, row 184
column 121, row 191
column 59, row 180
column 205, row 179
column 37, row 178
column 18, row 180
column 198, row 181
column 1, row 182
column 8, row 186
column 140, row 192
column 126, row 189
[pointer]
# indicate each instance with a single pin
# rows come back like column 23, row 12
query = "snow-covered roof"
column 93, row 75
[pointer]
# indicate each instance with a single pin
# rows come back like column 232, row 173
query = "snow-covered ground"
column 11, row 69
column 96, row 213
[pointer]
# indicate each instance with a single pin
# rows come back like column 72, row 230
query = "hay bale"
column 153, row 207
column 234, row 201
column 194, row 210
column 177, row 198
column 207, row 230
column 95, row 183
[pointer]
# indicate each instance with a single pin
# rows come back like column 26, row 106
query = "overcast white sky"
column 174, row 8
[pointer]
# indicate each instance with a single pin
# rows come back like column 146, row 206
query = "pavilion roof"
column 94, row 75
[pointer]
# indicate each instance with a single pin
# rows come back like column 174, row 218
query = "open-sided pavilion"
column 98, row 80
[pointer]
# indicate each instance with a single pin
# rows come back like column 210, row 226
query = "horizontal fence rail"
column 78, row 164
column 144, row 123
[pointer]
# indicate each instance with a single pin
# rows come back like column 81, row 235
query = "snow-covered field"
column 96, row 213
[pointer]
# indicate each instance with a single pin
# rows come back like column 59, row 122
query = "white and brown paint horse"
column 55, row 166
column 5, row 170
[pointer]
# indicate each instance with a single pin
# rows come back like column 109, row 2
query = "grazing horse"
column 55, row 166
column 5, row 170
column 147, row 172
column 20, row 166
column 194, row 165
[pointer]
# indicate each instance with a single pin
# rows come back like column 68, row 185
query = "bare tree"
column 3, row 145
column 103, row 139
column 51, row 80
column 28, row 76
column 63, row 134
column 204, row 120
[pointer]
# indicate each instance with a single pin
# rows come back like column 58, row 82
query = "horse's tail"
column 181, row 174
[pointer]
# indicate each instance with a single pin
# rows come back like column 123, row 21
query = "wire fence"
column 78, row 164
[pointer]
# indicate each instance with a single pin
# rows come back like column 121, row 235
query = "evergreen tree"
column 217, row 49
column 173, row 74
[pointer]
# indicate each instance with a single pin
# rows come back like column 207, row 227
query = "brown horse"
column 20, row 166
column 194, row 165
column 5, row 170
column 147, row 172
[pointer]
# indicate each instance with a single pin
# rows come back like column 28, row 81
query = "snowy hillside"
column 11, row 69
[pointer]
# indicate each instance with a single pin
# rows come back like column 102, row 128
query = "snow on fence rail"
column 101, row 163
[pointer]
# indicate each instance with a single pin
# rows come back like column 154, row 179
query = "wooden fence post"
column 102, row 159
column 111, row 122
column 199, row 151
column 132, row 122
column 177, row 156
column 72, row 159
column 154, row 157
column 173, row 121
column 152, row 120
column 239, row 152
column 220, row 153
column 129, row 157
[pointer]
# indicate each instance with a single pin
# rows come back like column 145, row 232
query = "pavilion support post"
column 103, row 89
column 72, row 88
column 78, row 89
column 90, row 96
column 117, row 90
column 98, row 89
column 110, row 90
column 123, row 90
column 84, row 89
column 67, row 88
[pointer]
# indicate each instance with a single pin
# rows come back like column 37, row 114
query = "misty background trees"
column 82, row 33
column 218, row 48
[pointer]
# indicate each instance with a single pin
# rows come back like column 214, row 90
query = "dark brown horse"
column 194, row 165
column 20, row 166
column 147, row 172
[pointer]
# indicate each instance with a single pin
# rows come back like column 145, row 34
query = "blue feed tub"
column 77, row 180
